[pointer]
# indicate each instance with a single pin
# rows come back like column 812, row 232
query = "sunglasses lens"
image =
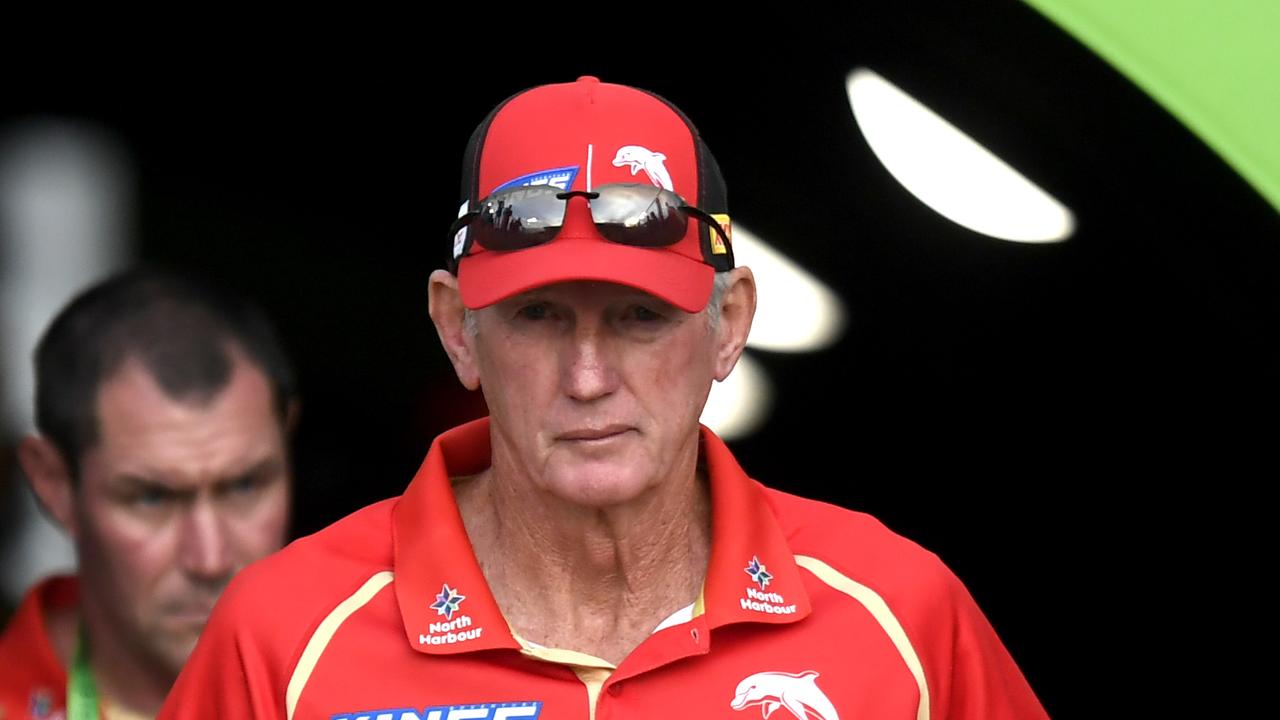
column 641, row 215
column 519, row 218
column 625, row 213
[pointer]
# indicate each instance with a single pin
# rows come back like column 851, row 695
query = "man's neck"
column 595, row 580
column 122, row 680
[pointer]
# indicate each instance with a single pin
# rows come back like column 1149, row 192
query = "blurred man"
column 163, row 409
column 589, row 551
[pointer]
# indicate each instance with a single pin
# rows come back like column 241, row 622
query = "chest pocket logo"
column 797, row 693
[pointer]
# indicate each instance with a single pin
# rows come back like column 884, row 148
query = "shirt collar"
column 445, row 602
column 29, row 634
column 752, row 575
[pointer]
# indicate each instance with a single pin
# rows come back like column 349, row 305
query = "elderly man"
column 589, row 551
column 163, row 409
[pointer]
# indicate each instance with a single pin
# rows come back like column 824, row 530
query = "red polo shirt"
column 33, row 682
column 808, row 612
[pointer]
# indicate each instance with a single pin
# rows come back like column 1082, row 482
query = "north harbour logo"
column 452, row 629
column 770, row 603
column 447, row 601
column 484, row 711
column 758, row 573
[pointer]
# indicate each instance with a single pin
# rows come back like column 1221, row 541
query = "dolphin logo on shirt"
column 641, row 158
column 799, row 694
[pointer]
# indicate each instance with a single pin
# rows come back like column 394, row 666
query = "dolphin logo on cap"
column 799, row 694
column 641, row 158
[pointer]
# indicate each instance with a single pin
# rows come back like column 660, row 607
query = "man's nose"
column 590, row 372
column 205, row 553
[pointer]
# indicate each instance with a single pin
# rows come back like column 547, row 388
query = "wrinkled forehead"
column 143, row 428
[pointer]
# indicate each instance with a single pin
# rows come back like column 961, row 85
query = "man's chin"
column 599, row 485
column 171, row 649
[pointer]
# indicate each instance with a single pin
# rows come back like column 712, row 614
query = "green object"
column 1215, row 65
column 82, row 691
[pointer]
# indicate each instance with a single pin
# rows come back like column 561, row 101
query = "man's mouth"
column 594, row 434
column 190, row 612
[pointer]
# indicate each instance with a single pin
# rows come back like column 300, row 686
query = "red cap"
column 578, row 136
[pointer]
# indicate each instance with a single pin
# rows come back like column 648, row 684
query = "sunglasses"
column 625, row 213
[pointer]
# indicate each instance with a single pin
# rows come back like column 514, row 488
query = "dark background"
column 1074, row 428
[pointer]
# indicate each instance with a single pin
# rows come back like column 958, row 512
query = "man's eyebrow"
column 129, row 484
column 133, row 481
column 527, row 295
column 640, row 296
column 262, row 469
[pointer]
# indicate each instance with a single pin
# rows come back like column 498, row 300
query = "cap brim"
column 488, row 277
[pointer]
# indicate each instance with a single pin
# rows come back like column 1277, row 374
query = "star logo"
column 40, row 705
column 447, row 601
column 758, row 573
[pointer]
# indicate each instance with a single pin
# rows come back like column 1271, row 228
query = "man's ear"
column 50, row 479
column 737, row 309
column 447, row 312
column 292, row 414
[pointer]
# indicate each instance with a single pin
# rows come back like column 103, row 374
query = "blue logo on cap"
column 561, row 177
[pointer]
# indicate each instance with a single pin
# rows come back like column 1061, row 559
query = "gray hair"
column 718, row 288
column 711, row 312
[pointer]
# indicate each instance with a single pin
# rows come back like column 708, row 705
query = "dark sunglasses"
column 625, row 213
